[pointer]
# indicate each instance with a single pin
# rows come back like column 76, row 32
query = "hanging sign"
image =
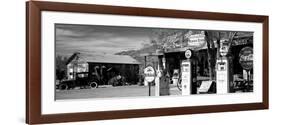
column 197, row 40
column 179, row 40
column 224, row 48
column 188, row 53
column 149, row 74
column 246, row 58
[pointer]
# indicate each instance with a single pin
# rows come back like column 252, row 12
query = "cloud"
column 99, row 39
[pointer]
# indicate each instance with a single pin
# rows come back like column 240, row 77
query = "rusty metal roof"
column 107, row 58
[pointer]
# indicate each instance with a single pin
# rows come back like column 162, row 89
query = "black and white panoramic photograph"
column 96, row 61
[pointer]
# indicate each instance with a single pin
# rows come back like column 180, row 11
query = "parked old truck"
column 90, row 80
column 82, row 80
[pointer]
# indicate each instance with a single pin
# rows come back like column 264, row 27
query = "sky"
column 95, row 39
column 99, row 40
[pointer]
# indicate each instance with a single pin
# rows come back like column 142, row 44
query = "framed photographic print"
column 94, row 62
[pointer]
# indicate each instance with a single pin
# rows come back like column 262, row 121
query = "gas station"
column 186, row 68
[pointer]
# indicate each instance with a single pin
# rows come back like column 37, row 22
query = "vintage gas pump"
column 188, row 74
column 223, row 74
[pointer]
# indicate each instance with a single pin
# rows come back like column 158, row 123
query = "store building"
column 103, row 67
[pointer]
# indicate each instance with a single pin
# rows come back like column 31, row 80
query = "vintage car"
column 117, row 81
column 82, row 80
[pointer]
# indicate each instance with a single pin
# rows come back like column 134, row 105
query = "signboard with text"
column 222, row 76
column 187, row 39
column 246, row 58
column 205, row 86
column 197, row 40
column 149, row 73
column 188, row 53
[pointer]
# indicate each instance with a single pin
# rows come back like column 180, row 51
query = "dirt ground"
column 110, row 92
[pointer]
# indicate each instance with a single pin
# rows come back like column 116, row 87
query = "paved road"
column 109, row 92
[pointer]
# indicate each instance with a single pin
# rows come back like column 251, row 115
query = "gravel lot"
column 109, row 92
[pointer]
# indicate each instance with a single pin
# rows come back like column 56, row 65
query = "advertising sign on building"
column 197, row 40
column 246, row 58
